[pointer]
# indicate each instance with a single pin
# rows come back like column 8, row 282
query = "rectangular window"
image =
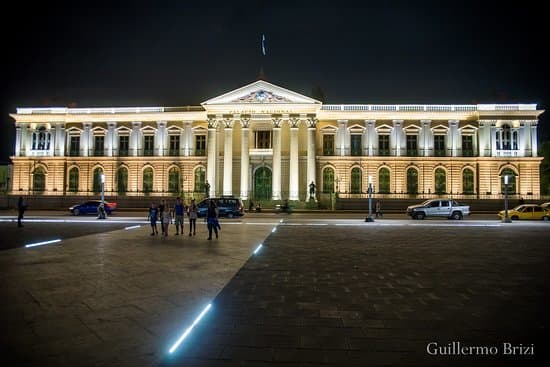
column 328, row 144
column 467, row 146
column 412, row 145
column 74, row 147
column 439, row 146
column 148, row 145
column 384, row 145
column 356, row 144
column 99, row 145
column 123, row 145
column 200, row 145
column 174, row 145
column 263, row 139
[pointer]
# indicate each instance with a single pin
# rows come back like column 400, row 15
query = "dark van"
column 228, row 206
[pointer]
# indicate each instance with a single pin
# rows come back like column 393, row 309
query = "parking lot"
column 323, row 289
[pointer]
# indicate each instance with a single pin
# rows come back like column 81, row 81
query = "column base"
column 369, row 219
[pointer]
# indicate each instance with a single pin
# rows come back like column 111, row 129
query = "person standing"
column 165, row 220
column 21, row 207
column 212, row 219
column 179, row 209
column 312, row 191
column 250, row 206
column 153, row 216
column 207, row 189
column 193, row 214
column 378, row 209
column 162, row 207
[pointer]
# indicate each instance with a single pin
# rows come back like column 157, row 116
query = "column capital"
column 112, row 124
column 453, row 122
column 397, row 122
column 245, row 122
column 228, row 123
column 312, row 122
column 294, row 121
column 212, row 123
column 161, row 123
column 136, row 124
column 276, row 121
column 88, row 124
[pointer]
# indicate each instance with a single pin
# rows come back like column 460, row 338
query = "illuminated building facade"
column 265, row 142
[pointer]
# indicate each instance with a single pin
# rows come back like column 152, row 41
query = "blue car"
column 90, row 207
column 227, row 206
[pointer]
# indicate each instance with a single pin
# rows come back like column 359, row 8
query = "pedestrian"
column 179, row 209
column 101, row 213
column 193, row 212
column 165, row 220
column 162, row 207
column 378, row 209
column 207, row 189
column 153, row 216
column 21, row 207
column 212, row 219
column 250, row 206
column 521, row 201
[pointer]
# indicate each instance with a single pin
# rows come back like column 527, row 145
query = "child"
column 153, row 216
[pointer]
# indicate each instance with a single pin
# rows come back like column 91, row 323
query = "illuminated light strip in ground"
column 257, row 249
column 42, row 243
column 184, row 335
column 274, row 229
column 132, row 227
column 76, row 221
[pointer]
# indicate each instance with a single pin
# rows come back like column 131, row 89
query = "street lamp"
column 369, row 190
column 506, row 219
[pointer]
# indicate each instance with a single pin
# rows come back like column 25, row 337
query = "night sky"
column 161, row 53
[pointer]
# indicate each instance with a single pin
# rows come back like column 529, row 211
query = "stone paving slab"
column 377, row 295
column 113, row 299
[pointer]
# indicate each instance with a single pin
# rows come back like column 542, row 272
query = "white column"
column 312, row 122
column 135, row 138
column 60, row 140
column 53, row 140
column 18, row 140
column 228, row 158
column 452, row 137
column 493, row 140
column 245, row 158
column 427, row 141
column 276, row 186
column 85, row 139
column 534, row 145
column 395, row 143
column 371, row 134
column 212, row 155
column 186, row 137
column 293, row 188
column 160, row 141
column 110, row 139
column 343, row 136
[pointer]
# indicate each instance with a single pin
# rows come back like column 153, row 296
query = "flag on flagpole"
column 263, row 44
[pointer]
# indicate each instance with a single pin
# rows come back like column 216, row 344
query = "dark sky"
column 161, row 53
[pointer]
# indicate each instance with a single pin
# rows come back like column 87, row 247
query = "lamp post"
column 506, row 219
column 369, row 190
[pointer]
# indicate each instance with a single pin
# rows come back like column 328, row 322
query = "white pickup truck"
column 447, row 208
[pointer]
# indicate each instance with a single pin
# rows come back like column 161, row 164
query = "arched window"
column 122, row 180
column 200, row 179
column 468, row 181
column 73, row 179
column 147, row 180
column 39, row 180
column 440, row 181
column 97, row 180
column 328, row 180
column 174, row 180
column 384, row 180
column 511, row 180
column 412, row 181
column 355, row 181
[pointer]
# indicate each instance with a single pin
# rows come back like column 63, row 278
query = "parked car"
column 546, row 206
column 527, row 211
column 228, row 206
column 90, row 207
column 447, row 208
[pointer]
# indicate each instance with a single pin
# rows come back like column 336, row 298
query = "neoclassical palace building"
column 265, row 142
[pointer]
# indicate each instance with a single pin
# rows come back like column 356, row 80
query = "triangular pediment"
column 260, row 93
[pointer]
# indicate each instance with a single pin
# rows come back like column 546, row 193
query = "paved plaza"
column 319, row 292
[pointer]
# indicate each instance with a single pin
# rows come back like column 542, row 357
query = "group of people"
column 165, row 213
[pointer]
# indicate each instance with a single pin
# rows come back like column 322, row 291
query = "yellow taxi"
column 527, row 211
